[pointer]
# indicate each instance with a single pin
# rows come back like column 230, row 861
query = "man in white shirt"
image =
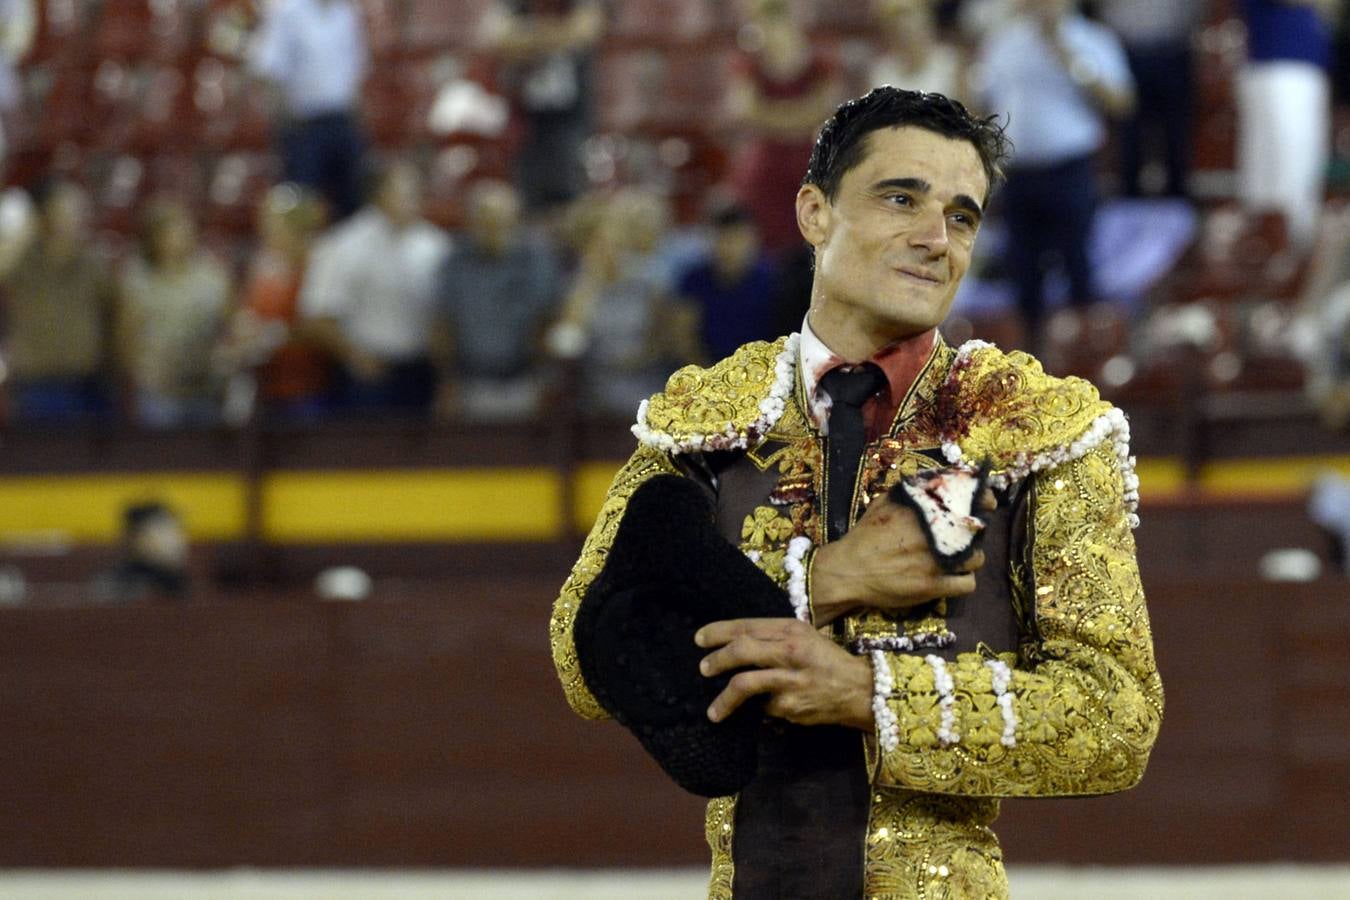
column 367, row 297
column 314, row 55
column 1057, row 77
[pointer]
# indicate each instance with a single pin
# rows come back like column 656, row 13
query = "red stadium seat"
column 135, row 29
column 65, row 100
column 237, row 182
column 231, row 108
column 663, row 20
column 436, row 24
column 165, row 116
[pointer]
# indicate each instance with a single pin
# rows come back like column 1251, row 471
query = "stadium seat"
column 436, row 24
column 237, row 184
column 665, row 21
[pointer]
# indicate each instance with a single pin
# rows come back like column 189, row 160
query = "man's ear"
column 813, row 214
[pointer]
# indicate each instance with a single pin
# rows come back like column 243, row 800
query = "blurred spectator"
column 781, row 89
column 18, row 25
column 979, row 19
column 153, row 564
column 493, row 295
column 174, row 302
column 59, row 310
column 1320, row 332
column 1329, row 508
column 368, row 296
column 621, row 317
column 293, row 376
column 733, row 287
column 1284, row 111
column 914, row 56
column 314, row 54
column 1156, row 35
column 1329, row 362
column 1056, row 76
column 546, row 49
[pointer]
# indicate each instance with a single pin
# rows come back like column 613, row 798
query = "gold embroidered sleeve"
column 1079, row 713
column 643, row 464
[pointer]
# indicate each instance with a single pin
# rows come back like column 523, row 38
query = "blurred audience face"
column 163, row 542
column 65, row 215
column 494, row 215
column 288, row 218
column 1048, row 10
column 777, row 26
column 169, row 236
column 735, row 248
column 639, row 220
column 908, row 23
column 399, row 195
column 159, row 539
column 771, row 12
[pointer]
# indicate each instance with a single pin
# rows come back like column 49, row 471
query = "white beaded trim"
column 883, row 682
column 1002, row 676
column 946, row 688
column 794, row 563
column 1111, row 425
column 904, row 643
column 771, row 409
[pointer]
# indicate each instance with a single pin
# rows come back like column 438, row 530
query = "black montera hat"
column 669, row 572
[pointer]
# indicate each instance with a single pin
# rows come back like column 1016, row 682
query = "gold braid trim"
column 931, row 847
column 643, row 464
column 1004, row 407
column 1087, row 697
column 718, row 827
column 720, row 407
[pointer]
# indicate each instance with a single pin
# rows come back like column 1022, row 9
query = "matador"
column 901, row 699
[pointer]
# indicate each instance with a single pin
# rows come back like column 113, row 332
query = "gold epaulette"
column 1003, row 408
column 726, row 406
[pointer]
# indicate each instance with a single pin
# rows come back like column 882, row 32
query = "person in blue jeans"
column 313, row 53
column 1058, row 78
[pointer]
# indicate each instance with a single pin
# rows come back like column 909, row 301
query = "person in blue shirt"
column 733, row 287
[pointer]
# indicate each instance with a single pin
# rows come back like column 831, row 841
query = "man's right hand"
column 884, row 562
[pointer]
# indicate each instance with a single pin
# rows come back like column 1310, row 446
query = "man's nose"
column 930, row 232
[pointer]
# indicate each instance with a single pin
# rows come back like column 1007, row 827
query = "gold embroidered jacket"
column 1082, row 703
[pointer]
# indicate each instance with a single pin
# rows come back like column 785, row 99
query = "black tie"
column 848, row 390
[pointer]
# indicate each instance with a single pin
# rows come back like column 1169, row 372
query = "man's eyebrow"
column 966, row 202
column 905, row 184
column 919, row 186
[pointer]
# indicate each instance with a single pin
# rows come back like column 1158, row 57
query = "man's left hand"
column 809, row 679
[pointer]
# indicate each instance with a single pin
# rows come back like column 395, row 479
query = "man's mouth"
column 920, row 274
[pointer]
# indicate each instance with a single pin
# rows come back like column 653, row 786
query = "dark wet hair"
column 842, row 140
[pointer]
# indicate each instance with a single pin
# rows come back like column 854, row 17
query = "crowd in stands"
column 455, row 276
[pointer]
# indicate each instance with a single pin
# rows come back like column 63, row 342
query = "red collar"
column 901, row 362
